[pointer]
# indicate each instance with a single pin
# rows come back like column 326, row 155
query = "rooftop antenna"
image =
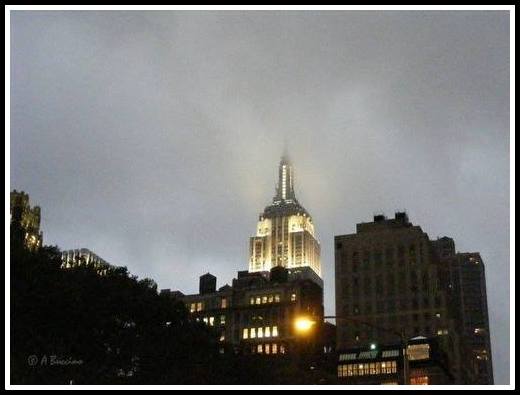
column 285, row 151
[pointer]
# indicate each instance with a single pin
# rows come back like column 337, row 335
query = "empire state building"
column 285, row 231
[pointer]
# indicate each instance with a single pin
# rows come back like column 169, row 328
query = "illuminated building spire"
column 285, row 231
column 285, row 188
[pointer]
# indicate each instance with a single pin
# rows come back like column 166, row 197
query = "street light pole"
column 404, row 341
column 401, row 335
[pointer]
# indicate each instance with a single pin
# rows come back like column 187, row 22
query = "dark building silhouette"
column 387, row 276
column 392, row 281
column 468, row 298
column 207, row 284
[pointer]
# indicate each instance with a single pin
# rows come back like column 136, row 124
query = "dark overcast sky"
column 153, row 138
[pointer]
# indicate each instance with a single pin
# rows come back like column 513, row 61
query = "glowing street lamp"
column 303, row 324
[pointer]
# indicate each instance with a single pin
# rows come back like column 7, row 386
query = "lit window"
column 275, row 331
column 224, row 303
column 419, row 380
column 260, row 348
column 388, row 367
column 260, row 332
column 482, row 355
column 193, row 307
column 282, row 349
column 211, row 321
column 199, row 306
column 245, row 333
column 205, row 319
column 267, row 331
column 274, row 348
column 276, row 298
column 442, row 332
column 438, row 315
column 222, row 336
column 253, row 333
column 293, row 297
column 258, row 300
column 267, row 349
column 222, row 320
column 389, row 353
column 264, row 299
column 347, row 357
column 270, row 298
column 252, row 300
column 418, row 352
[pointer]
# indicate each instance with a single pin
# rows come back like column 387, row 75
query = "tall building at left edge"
column 27, row 219
column 257, row 312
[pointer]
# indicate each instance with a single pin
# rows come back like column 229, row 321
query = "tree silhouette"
column 82, row 326
column 87, row 328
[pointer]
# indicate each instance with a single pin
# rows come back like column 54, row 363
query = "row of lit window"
column 196, row 307
column 199, row 306
column 269, row 348
column 211, row 320
column 252, row 333
column 264, row 299
column 365, row 369
column 419, row 380
column 268, row 299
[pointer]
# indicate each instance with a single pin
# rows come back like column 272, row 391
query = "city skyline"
column 152, row 139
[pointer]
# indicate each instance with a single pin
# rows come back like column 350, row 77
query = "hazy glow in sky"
column 153, row 138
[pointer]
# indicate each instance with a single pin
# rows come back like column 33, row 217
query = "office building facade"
column 84, row 257
column 393, row 282
column 468, row 301
column 256, row 314
column 387, row 277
